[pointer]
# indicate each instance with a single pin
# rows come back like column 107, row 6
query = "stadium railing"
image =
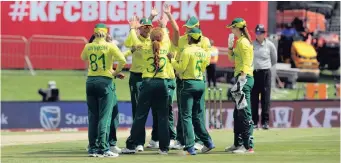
column 14, row 53
column 56, row 52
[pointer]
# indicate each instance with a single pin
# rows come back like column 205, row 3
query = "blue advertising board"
column 34, row 115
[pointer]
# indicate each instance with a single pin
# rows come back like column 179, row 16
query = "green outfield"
column 19, row 85
column 277, row 145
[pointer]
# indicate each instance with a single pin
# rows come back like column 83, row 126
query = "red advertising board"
column 73, row 18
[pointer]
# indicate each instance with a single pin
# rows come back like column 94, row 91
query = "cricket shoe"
column 153, row 144
column 198, row 146
column 139, row 148
column 115, row 149
column 177, row 146
column 128, row 151
column 265, row 127
column 191, row 151
column 243, row 150
column 210, row 146
column 109, row 154
column 232, row 148
column 162, row 152
column 92, row 154
column 172, row 144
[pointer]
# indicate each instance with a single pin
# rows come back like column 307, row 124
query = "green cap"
column 194, row 33
column 237, row 23
column 100, row 25
column 192, row 22
column 145, row 21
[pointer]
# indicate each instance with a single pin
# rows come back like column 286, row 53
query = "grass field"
column 276, row 145
column 19, row 85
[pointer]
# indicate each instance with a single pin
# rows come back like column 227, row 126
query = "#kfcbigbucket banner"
column 21, row 116
column 78, row 18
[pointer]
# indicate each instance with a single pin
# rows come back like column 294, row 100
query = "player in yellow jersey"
column 191, row 67
column 136, row 68
column 153, row 91
column 242, row 56
column 171, row 82
column 142, row 43
column 99, row 89
column 114, row 118
column 204, row 43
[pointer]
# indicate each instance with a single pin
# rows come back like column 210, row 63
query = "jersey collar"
column 99, row 40
column 143, row 39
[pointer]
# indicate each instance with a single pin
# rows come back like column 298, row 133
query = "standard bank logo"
column 50, row 116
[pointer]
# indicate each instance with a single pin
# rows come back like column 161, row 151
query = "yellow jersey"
column 192, row 63
column 137, row 60
column 242, row 56
column 148, row 68
column 101, row 56
column 172, row 49
column 183, row 42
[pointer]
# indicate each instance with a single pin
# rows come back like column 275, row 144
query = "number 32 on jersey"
column 152, row 67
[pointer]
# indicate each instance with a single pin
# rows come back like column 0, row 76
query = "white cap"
column 52, row 84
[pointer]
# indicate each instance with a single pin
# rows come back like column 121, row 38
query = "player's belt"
column 136, row 73
column 260, row 70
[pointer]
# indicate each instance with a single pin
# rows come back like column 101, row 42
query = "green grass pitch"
column 273, row 146
column 19, row 85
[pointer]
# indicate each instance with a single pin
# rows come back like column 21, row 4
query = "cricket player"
column 100, row 89
column 192, row 22
column 114, row 118
column 153, row 91
column 242, row 56
column 171, row 82
column 192, row 63
column 136, row 68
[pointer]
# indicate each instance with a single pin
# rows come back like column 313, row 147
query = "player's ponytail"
column 156, row 36
column 108, row 38
column 156, row 51
column 245, row 32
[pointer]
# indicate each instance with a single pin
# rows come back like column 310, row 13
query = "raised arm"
column 230, row 47
column 153, row 14
column 132, row 39
column 163, row 24
column 175, row 27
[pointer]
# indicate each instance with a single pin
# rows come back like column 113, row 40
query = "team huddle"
column 161, row 66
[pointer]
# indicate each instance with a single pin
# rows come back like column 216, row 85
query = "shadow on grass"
column 72, row 153
column 81, row 153
column 48, row 153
